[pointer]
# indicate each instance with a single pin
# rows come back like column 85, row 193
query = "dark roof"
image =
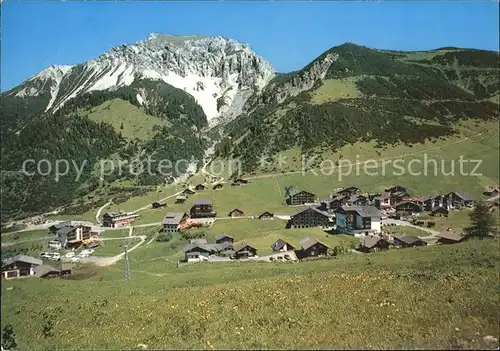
column 234, row 210
column 22, row 258
column 309, row 242
column 303, row 191
column 198, row 241
column 370, row 241
column 407, row 202
column 266, row 213
column 173, row 218
column 408, row 239
column 65, row 230
column 460, row 195
column 202, row 202
column 200, row 186
column 450, row 235
column 222, row 236
column 347, row 189
column 364, row 211
column 242, row 246
column 278, row 245
column 61, row 225
column 203, row 247
column 312, row 208
column 383, row 196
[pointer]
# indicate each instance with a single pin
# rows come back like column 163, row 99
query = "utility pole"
column 126, row 272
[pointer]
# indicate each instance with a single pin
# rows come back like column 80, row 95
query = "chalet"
column 301, row 197
column 199, row 187
column 450, row 237
column 245, row 251
column 491, row 191
column 180, row 199
column 331, row 204
column 186, row 192
column 383, row 202
column 223, row 238
column 372, row 244
column 408, row 241
column 432, row 202
column 396, row 189
column 312, row 248
column 408, row 206
column 73, row 235
column 118, row 219
column 358, row 220
column 20, row 266
column 454, row 200
column 217, row 186
column 348, row 192
column 156, row 205
column 202, row 208
column 266, row 215
column 198, row 241
column 309, row 217
column 236, row 213
column 173, row 220
column 439, row 212
column 281, row 246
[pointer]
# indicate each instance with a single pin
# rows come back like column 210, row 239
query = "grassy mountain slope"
column 388, row 97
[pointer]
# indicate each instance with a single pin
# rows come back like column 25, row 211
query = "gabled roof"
column 58, row 226
column 383, row 196
column 266, row 213
column 64, row 230
column 44, row 269
column 363, row 211
column 308, row 242
column 22, row 258
column 407, row 202
column 313, row 209
column 173, row 218
column 187, row 190
column 199, row 186
column 408, row 239
column 202, row 247
column 302, row 192
column 234, row 210
column 279, row 244
column 202, row 202
column 222, row 236
column 370, row 241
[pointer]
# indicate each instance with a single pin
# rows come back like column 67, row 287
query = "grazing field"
column 125, row 118
column 114, row 247
column 430, row 297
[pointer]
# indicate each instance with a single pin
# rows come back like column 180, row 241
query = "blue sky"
column 289, row 35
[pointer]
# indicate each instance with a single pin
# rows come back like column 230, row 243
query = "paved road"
column 98, row 214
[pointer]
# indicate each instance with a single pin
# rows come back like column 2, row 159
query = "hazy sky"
column 289, row 35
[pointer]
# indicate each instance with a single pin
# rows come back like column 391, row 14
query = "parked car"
column 87, row 251
column 70, row 254
column 83, row 254
column 75, row 259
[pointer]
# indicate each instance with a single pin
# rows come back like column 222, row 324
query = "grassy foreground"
column 437, row 296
